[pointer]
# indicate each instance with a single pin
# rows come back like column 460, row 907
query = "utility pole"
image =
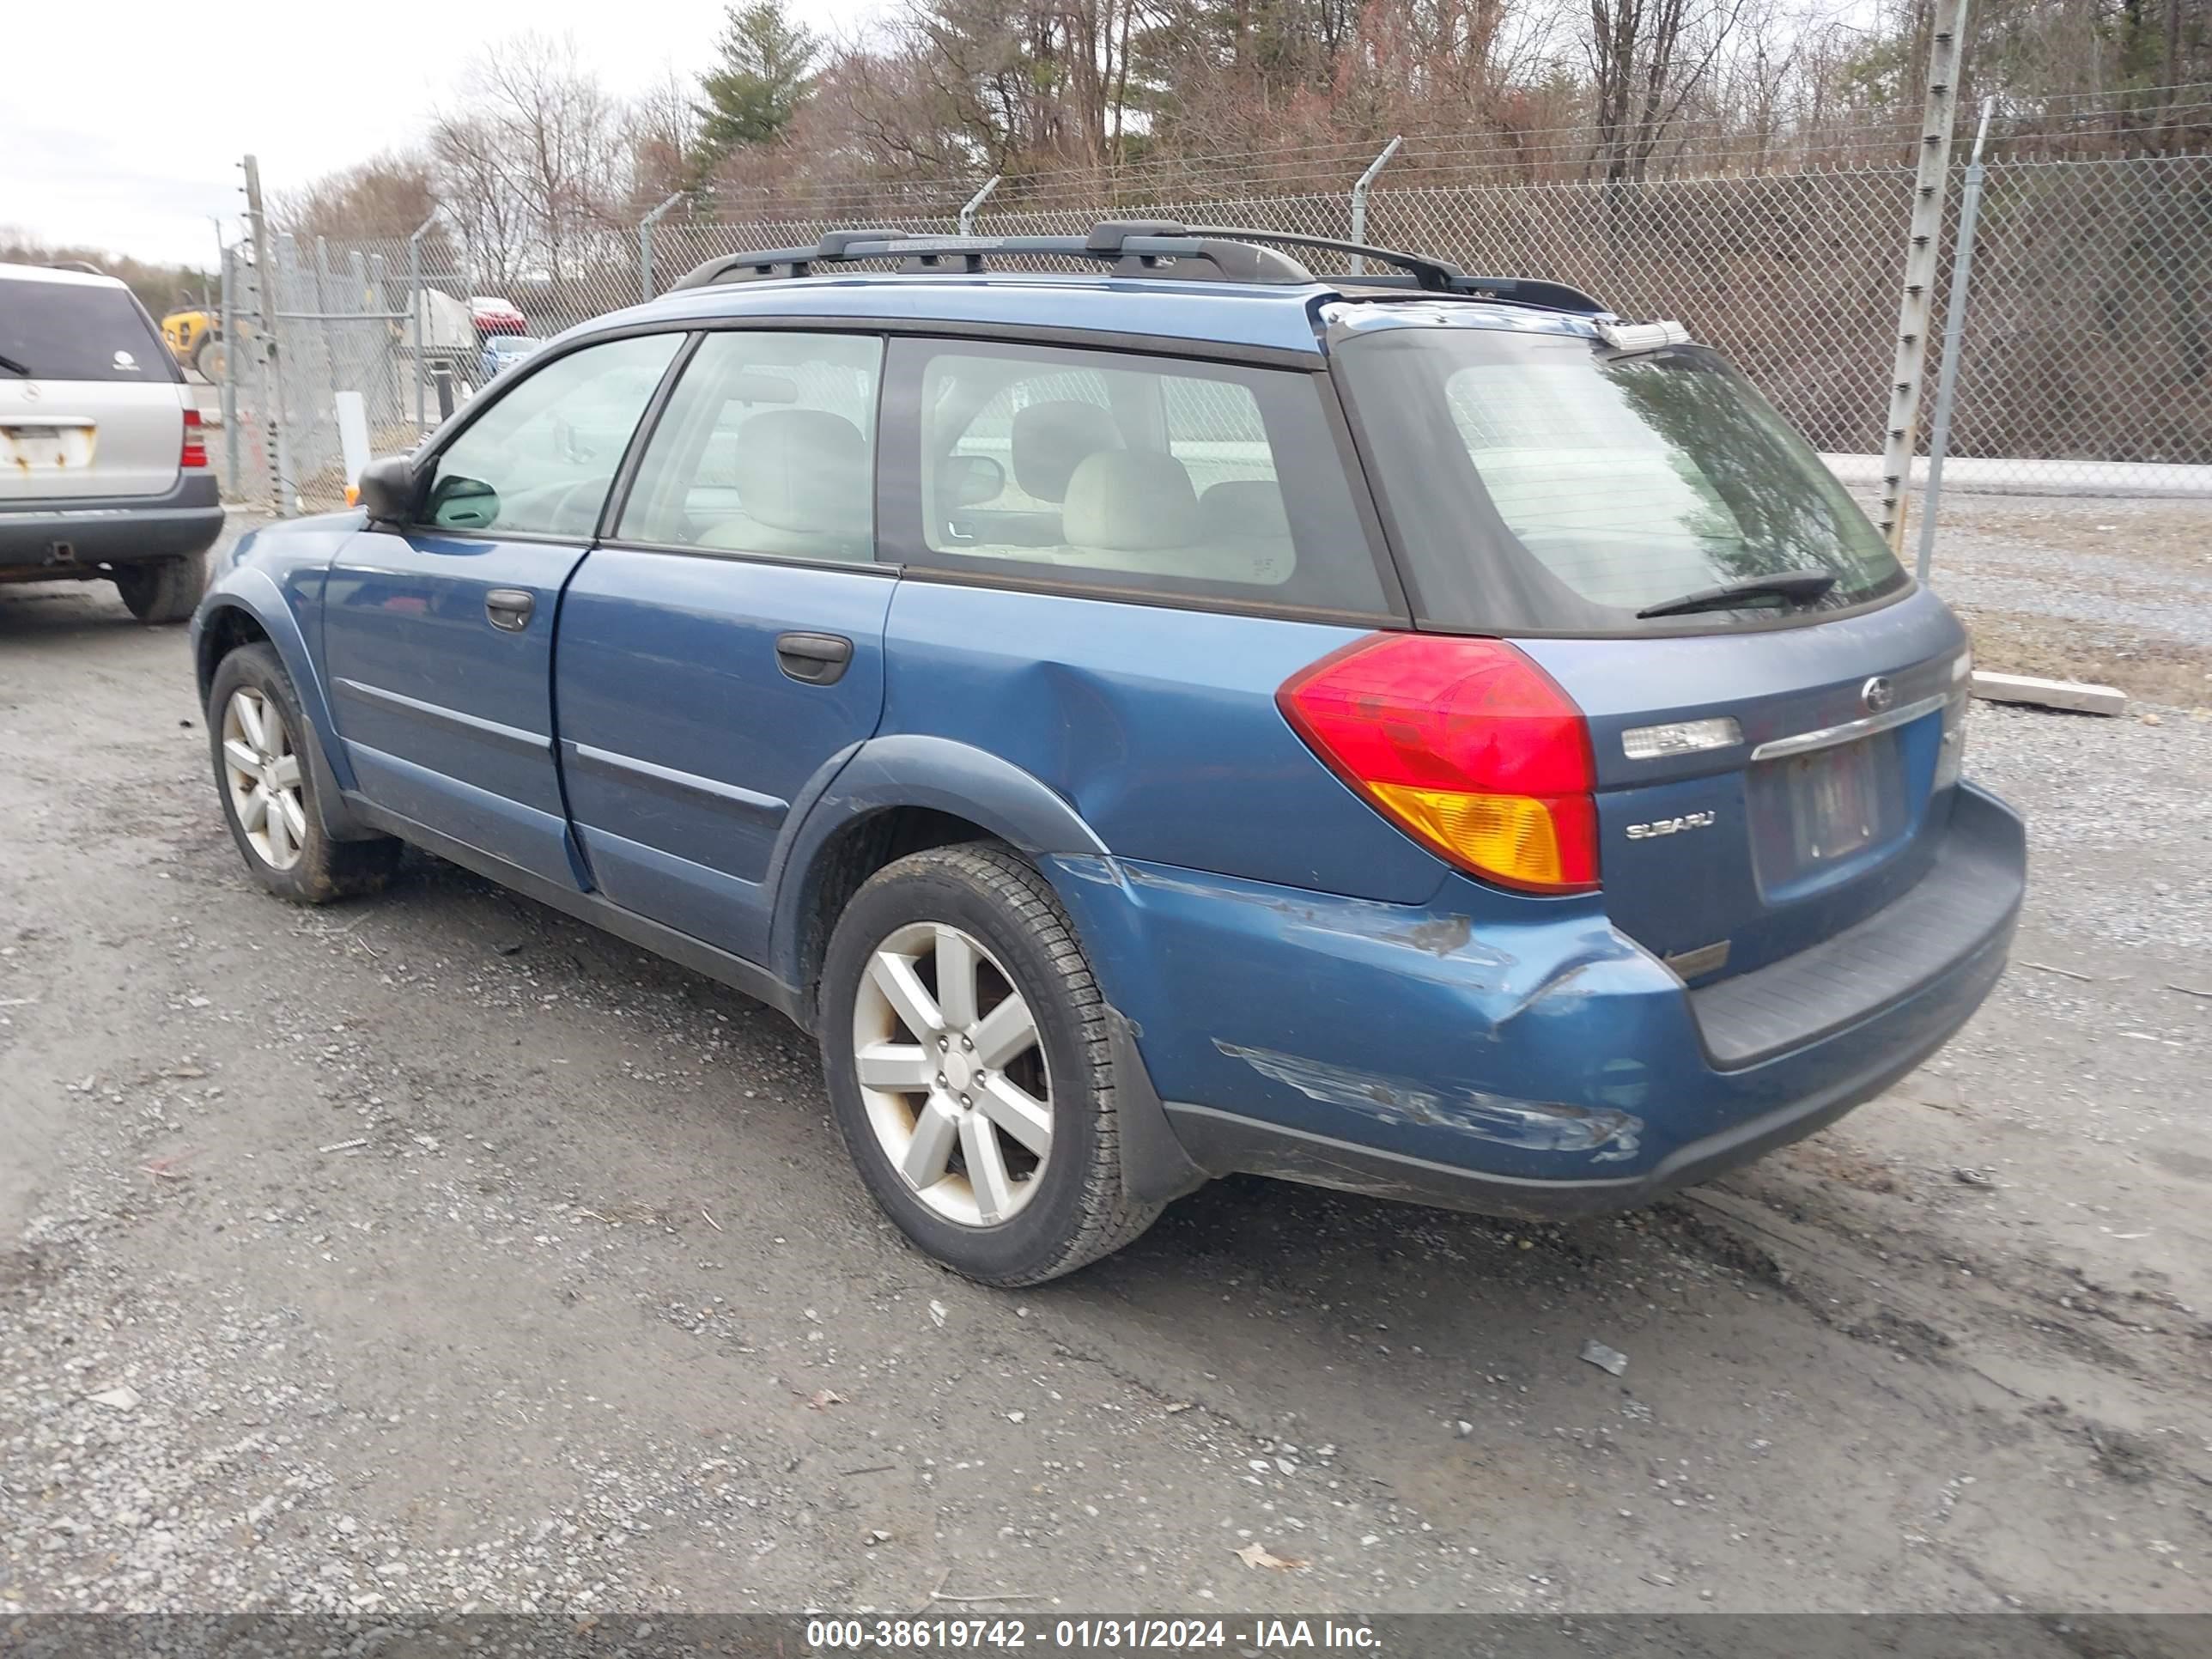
column 1920, row 254
column 264, row 284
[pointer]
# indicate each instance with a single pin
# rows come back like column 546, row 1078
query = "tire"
column 285, row 847
column 163, row 591
column 1062, row 1209
column 207, row 360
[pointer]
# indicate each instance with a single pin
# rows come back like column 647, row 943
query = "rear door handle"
column 813, row 659
column 510, row 608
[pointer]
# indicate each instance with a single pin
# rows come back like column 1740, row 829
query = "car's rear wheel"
column 259, row 740
column 966, row 1046
column 162, row 590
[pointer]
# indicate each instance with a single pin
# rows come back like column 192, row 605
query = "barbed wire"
column 1704, row 141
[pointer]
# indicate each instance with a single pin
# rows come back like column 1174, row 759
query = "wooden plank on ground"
column 2050, row 694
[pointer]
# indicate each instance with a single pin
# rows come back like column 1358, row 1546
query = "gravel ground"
column 2116, row 592
column 437, row 1252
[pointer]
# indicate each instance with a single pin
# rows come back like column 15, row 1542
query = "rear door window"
column 1542, row 483
column 78, row 332
column 1097, row 469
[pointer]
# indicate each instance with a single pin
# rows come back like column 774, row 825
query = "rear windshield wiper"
column 1797, row 586
column 15, row 368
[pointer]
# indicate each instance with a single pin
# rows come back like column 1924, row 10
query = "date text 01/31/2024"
column 1093, row 1636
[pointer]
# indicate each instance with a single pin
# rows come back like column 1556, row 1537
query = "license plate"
column 1835, row 799
column 46, row 448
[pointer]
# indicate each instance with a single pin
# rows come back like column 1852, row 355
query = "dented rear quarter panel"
column 1158, row 725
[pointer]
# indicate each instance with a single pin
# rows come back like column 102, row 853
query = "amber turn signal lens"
column 1465, row 745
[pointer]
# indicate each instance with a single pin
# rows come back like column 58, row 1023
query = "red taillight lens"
column 1465, row 745
column 195, row 450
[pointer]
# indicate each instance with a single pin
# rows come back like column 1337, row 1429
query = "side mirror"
column 459, row 503
column 388, row 488
column 972, row 480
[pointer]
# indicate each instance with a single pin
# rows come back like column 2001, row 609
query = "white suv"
column 103, row 463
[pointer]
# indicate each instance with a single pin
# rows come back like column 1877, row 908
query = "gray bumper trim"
column 112, row 529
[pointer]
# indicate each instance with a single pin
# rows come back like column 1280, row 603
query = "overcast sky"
column 122, row 121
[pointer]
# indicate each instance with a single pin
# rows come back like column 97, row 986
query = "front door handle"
column 510, row 608
column 813, row 659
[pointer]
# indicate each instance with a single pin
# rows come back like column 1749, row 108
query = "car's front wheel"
column 260, row 739
column 162, row 590
column 970, row 1070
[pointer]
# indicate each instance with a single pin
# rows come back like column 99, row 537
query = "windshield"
column 1545, row 484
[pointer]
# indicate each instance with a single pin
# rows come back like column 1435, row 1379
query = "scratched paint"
column 1348, row 918
column 1610, row 1133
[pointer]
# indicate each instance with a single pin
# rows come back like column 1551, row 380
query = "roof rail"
column 1427, row 272
column 1142, row 248
column 1134, row 248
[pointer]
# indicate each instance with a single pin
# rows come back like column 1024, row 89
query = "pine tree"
column 766, row 68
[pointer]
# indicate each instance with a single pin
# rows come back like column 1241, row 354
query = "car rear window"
column 1547, row 484
column 78, row 332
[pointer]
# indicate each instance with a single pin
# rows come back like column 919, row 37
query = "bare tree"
column 474, row 186
column 1646, row 58
column 538, row 167
column 388, row 195
column 661, row 129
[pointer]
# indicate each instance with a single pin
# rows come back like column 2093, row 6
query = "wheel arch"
column 236, row 614
column 897, row 795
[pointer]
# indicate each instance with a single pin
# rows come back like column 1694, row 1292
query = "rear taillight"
column 1466, row 745
column 194, row 452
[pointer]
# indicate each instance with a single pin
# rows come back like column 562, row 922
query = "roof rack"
column 1431, row 275
column 1142, row 248
column 1134, row 247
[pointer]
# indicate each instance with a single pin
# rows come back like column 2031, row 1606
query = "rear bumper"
column 62, row 539
column 1553, row 1069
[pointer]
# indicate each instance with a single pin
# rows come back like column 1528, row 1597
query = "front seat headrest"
column 804, row 470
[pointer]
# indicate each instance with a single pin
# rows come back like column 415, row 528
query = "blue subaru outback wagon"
column 1415, row 733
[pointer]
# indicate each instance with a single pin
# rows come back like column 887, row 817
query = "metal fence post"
column 270, row 390
column 415, row 309
column 974, row 205
column 227, row 322
column 1359, row 196
column 1920, row 253
column 645, row 244
column 1954, row 328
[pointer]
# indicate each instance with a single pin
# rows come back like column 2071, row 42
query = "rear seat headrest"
column 1050, row 440
column 1130, row 500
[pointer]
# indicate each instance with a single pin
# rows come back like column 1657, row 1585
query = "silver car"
column 104, row 471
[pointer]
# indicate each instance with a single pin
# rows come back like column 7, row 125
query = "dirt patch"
column 2177, row 672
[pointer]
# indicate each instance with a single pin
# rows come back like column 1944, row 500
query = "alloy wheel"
column 952, row 1073
column 262, row 771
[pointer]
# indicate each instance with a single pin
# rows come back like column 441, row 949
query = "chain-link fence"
column 2086, row 357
